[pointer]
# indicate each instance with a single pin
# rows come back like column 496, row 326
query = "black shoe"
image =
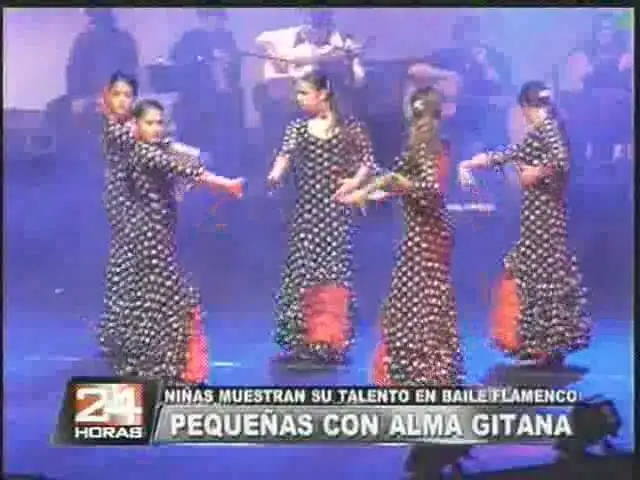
column 284, row 358
column 310, row 365
column 300, row 362
column 426, row 462
column 553, row 361
column 422, row 463
column 411, row 463
column 337, row 360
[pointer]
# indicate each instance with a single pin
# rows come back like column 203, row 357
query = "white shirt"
column 282, row 44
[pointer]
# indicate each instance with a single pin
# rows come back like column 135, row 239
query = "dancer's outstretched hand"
column 378, row 196
column 231, row 186
column 236, row 186
column 274, row 179
column 357, row 198
column 347, row 186
column 529, row 175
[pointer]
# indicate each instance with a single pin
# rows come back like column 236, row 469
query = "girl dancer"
column 330, row 156
column 539, row 314
column 151, row 325
column 420, row 342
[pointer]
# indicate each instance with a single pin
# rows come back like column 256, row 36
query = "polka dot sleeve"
column 362, row 142
column 556, row 152
column 511, row 153
column 151, row 156
column 401, row 166
column 291, row 139
column 118, row 135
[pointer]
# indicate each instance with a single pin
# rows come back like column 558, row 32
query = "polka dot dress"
column 421, row 344
column 552, row 317
column 145, row 329
column 319, row 246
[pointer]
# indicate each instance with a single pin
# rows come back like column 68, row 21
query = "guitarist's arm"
column 359, row 72
column 426, row 71
column 352, row 48
column 310, row 57
column 273, row 67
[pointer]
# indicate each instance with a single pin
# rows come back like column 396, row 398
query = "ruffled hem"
column 325, row 311
column 380, row 373
column 450, row 374
column 511, row 335
column 505, row 315
column 323, row 330
column 182, row 361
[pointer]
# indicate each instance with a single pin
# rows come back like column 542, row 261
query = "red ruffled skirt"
column 326, row 314
column 380, row 373
column 505, row 319
column 505, row 315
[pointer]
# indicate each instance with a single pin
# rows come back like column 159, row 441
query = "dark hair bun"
column 535, row 94
column 426, row 102
column 418, row 107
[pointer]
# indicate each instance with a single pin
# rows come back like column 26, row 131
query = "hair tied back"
column 418, row 107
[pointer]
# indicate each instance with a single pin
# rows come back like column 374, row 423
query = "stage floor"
column 54, row 262
column 42, row 352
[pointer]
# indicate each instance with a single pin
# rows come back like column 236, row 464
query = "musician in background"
column 609, row 85
column 320, row 44
column 296, row 51
column 210, row 93
column 574, row 104
column 103, row 48
column 482, row 78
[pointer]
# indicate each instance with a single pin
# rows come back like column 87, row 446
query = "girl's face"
column 310, row 99
column 120, row 98
column 151, row 126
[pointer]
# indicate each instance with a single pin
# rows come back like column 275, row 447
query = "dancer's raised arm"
column 150, row 152
column 497, row 158
column 555, row 159
column 153, row 156
column 415, row 176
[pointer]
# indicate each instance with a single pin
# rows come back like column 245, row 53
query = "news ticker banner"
column 133, row 411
